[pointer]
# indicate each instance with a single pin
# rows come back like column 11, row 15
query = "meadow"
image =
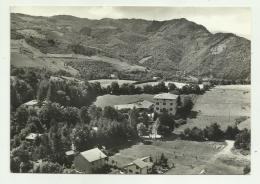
column 224, row 105
column 187, row 157
column 111, row 100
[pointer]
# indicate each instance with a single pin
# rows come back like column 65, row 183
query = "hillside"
column 176, row 46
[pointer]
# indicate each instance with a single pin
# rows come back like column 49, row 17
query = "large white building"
column 165, row 102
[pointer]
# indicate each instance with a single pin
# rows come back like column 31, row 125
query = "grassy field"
column 188, row 157
column 106, row 82
column 223, row 105
column 111, row 100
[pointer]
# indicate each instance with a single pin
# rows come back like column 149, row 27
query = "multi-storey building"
column 165, row 102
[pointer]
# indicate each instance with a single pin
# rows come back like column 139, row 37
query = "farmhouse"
column 139, row 166
column 165, row 102
column 90, row 160
column 143, row 105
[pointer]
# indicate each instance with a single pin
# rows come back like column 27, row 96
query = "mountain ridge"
column 176, row 46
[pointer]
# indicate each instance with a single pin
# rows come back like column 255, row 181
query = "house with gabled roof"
column 90, row 160
column 139, row 166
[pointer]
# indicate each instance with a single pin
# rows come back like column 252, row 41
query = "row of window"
column 163, row 109
column 157, row 103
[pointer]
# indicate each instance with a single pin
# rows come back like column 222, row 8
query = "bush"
column 243, row 140
column 247, row 169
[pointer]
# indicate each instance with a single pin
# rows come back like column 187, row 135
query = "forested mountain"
column 175, row 47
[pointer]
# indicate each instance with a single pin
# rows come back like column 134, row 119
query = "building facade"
column 165, row 102
column 90, row 160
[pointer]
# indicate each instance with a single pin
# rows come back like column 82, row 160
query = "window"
column 157, row 103
column 137, row 167
column 170, row 109
column 171, row 103
column 164, row 109
column 130, row 171
column 137, row 173
column 160, row 110
column 157, row 108
column 164, row 103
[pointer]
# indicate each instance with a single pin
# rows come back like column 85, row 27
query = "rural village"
column 85, row 112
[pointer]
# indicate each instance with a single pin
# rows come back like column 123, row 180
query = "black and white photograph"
column 130, row 90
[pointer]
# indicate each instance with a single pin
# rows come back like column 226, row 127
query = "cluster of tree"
column 24, row 84
column 230, row 82
column 166, row 124
column 243, row 140
column 127, row 88
column 30, row 83
column 211, row 133
column 214, row 133
column 58, row 128
column 184, row 106
column 109, row 133
column 90, row 70
column 160, row 165
column 67, row 92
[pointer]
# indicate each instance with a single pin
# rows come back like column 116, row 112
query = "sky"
column 236, row 20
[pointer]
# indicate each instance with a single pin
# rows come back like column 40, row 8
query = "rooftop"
column 32, row 136
column 93, row 155
column 143, row 104
column 167, row 96
column 141, row 163
column 70, row 152
column 31, row 103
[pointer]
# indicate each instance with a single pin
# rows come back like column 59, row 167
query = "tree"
column 184, row 106
column 83, row 114
column 32, row 79
column 94, row 112
column 71, row 115
column 194, row 88
column 213, row 132
column 34, row 124
column 110, row 113
column 43, row 89
column 231, row 132
column 160, row 87
column 21, row 116
column 50, row 111
column 14, row 165
column 167, row 120
column 133, row 117
column 163, row 161
column 25, row 167
column 148, row 89
column 81, row 138
column 171, row 86
column 243, row 140
column 15, row 100
column 247, row 169
column 141, row 129
column 50, row 167
column 196, row 134
column 114, row 88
